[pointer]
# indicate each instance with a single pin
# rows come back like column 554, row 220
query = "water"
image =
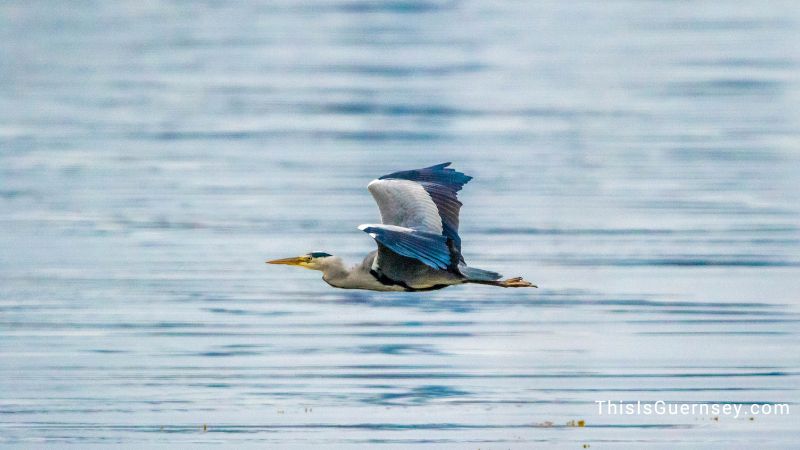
column 638, row 160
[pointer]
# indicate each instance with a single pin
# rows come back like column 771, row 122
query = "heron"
column 419, row 248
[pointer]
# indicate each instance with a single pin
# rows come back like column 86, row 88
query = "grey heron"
column 418, row 244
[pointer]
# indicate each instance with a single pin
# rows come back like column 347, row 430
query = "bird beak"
column 296, row 261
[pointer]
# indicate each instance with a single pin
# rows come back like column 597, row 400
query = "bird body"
column 419, row 248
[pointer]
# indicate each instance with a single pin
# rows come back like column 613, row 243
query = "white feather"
column 405, row 203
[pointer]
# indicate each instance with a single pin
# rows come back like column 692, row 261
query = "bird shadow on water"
column 556, row 299
column 436, row 302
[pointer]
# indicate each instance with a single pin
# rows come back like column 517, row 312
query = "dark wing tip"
column 438, row 174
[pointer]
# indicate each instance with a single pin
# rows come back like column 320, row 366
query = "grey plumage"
column 419, row 248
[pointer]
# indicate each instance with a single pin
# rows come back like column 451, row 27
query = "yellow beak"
column 296, row 261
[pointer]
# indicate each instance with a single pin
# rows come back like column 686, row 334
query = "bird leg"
column 515, row 282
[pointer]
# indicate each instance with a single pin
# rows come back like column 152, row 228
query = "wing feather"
column 428, row 248
column 442, row 185
column 405, row 203
column 424, row 202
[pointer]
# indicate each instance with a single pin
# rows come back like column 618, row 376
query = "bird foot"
column 515, row 282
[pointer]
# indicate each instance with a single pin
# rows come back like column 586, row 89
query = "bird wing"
column 422, row 199
column 429, row 248
column 419, row 210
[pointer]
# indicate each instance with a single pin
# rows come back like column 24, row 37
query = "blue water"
column 638, row 160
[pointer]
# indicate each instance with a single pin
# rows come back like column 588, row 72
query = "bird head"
column 313, row 260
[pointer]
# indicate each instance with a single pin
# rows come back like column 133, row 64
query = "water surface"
column 638, row 160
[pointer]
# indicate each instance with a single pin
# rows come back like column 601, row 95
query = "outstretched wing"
column 428, row 248
column 424, row 201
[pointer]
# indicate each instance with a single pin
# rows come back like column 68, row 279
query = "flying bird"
column 418, row 244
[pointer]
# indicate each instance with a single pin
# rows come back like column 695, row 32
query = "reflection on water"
column 637, row 160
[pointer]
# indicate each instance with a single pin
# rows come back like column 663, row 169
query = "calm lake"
column 638, row 160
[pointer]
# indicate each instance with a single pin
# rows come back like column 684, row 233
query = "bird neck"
column 333, row 270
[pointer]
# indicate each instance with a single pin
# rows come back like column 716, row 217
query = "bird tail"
column 474, row 274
